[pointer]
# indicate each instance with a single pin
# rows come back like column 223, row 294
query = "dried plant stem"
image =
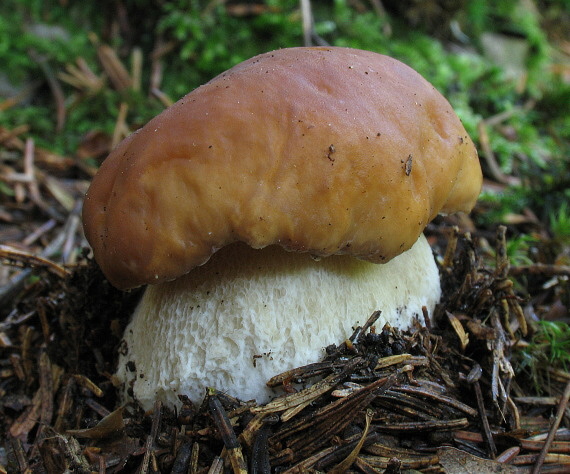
column 559, row 414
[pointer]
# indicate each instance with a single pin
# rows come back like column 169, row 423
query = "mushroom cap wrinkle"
column 248, row 315
column 319, row 150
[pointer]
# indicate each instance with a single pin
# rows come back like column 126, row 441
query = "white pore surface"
column 248, row 315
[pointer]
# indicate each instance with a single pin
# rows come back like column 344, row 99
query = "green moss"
column 549, row 349
column 205, row 39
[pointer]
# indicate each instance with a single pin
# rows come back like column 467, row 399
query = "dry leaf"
column 107, row 427
column 460, row 462
column 458, row 328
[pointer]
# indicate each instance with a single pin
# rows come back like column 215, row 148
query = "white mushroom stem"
column 248, row 315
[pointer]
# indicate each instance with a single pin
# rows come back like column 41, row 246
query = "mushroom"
column 272, row 209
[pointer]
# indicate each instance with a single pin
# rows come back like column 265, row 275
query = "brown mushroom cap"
column 320, row 150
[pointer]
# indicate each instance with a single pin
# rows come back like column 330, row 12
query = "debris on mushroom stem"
column 248, row 315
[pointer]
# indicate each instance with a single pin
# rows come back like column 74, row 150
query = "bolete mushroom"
column 259, row 208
